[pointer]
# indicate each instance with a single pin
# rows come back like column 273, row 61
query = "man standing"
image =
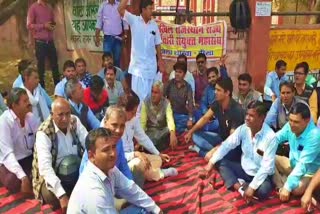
column 293, row 174
column 246, row 92
column 115, row 30
column 146, row 45
column 101, row 181
column 17, row 136
column 157, row 119
column 59, row 144
column 41, row 25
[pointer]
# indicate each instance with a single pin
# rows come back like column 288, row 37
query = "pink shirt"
column 38, row 15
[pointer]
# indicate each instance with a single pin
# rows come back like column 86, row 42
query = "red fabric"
column 93, row 104
column 187, row 193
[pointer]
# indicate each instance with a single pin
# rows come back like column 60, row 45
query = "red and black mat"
column 187, row 193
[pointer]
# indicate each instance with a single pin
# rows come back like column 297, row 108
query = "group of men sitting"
column 82, row 153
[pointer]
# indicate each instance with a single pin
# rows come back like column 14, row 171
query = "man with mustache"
column 17, row 136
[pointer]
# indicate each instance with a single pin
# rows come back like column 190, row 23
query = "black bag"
column 240, row 16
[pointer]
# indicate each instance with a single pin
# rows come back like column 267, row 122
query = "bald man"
column 57, row 154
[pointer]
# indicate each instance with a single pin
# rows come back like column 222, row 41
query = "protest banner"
column 294, row 46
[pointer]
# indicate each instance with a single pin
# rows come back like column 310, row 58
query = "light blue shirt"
column 258, row 152
column 120, row 75
column 304, row 152
column 19, row 82
column 93, row 122
column 95, row 191
column 272, row 84
column 59, row 89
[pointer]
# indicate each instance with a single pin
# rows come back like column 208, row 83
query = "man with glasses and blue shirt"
column 17, row 137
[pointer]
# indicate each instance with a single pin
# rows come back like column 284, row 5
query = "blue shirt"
column 208, row 98
column 304, row 153
column 59, row 89
column 93, row 122
column 121, row 162
column 223, row 72
column 272, row 85
column 120, row 75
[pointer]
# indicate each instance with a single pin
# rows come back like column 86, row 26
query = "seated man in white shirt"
column 69, row 72
column 59, row 144
column 18, row 127
column 101, row 181
column 188, row 77
column 37, row 96
column 150, row 164
column 257, row 164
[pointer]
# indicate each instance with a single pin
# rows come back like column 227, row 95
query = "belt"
column 43, row 41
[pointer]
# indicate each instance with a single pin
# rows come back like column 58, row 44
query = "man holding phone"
column 41, row 25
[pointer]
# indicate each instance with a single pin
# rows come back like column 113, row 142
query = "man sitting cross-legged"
column 229, row 114
column 157, row 119
column 101, row 180
column 258, row 144
column 18, row 127
column 59, row 144
column 150, row 164
column 293, row 174
column 179, row 93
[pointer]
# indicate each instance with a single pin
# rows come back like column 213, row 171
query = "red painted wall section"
column 258, row 43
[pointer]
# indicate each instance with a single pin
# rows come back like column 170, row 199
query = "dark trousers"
column 10, row 180
column 159, row 137
column 47, row 50
column 230, row 172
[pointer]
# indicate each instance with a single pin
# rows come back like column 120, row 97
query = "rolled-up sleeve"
column 99, row 23
column 309, row 153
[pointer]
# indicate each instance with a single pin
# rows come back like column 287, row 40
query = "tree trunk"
column 315, row 19
column 7, row 9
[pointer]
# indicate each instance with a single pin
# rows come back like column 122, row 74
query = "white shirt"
column 16, row 142
column 65, row 148
column 95, row 191
column 253, row 163
column 133, row 129
column 145, row 37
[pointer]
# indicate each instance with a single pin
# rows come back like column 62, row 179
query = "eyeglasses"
column 298, row 73
column 200, row 62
